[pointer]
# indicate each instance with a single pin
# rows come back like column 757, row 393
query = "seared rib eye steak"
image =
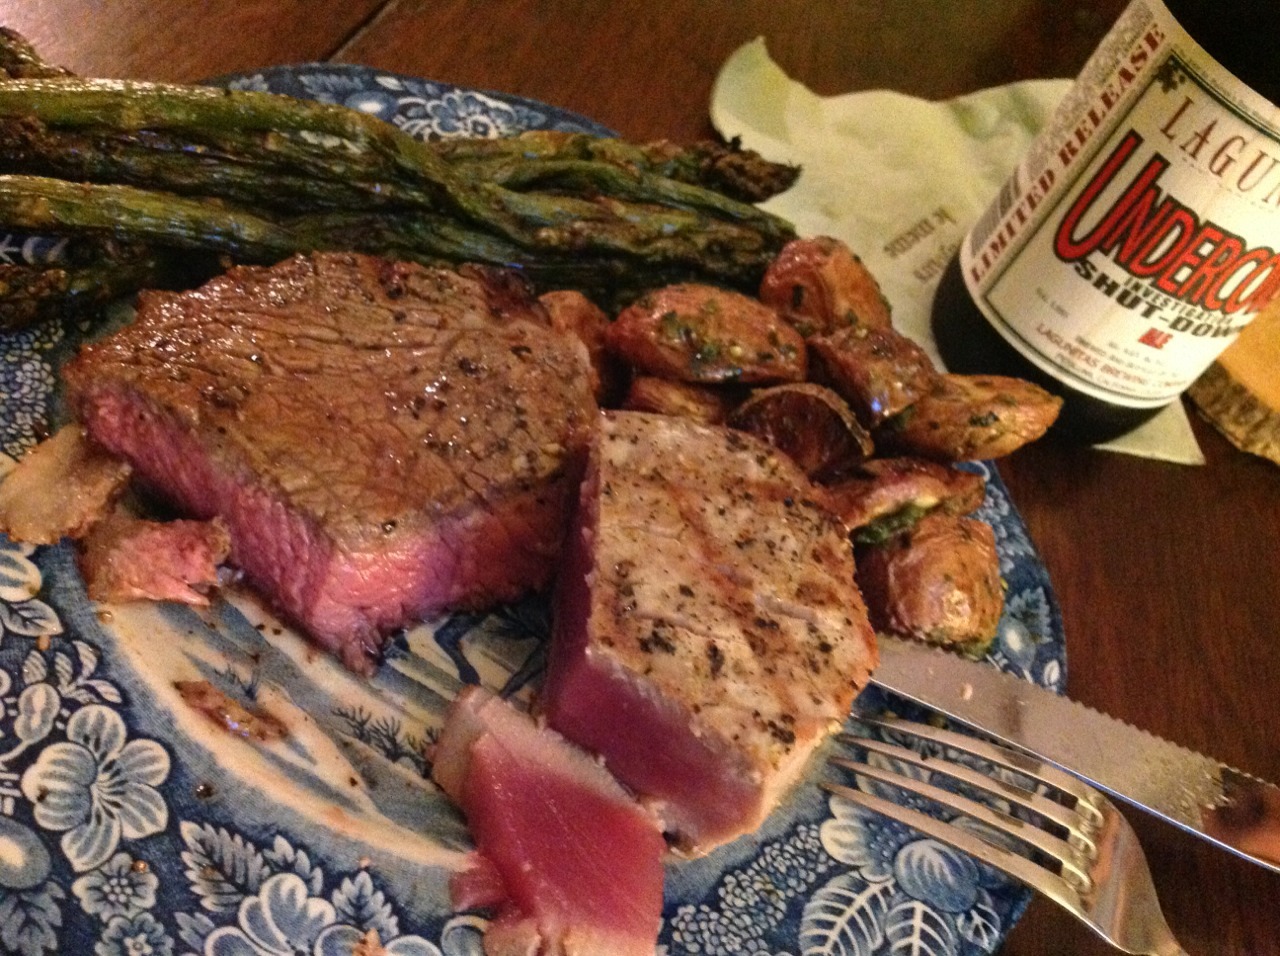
column 383, row 440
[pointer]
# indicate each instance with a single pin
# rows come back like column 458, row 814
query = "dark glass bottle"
column 1074, row 360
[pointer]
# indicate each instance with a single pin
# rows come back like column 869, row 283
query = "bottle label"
column 1138, row 235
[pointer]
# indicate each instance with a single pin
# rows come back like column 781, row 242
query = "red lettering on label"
column 1155, row 338
column 1152, row 235
column 1065, row 245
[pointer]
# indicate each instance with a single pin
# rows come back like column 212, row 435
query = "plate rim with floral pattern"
column 124, row 826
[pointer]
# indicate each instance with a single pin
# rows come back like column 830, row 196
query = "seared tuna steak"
column 383, row 440
column 572, row 864
column 708, row 632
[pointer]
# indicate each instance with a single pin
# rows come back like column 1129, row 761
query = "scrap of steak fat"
column 383, row 440
column 708, row 630
column 570, row 861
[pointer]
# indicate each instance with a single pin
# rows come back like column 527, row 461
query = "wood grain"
column 1166, row 574
column 187, row 41
column 645, row 69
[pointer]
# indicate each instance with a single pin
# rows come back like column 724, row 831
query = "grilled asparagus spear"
column 257, row 176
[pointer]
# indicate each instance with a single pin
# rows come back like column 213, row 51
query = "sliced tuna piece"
column 572, row 863
column 708, row 632
column 61, row 488
column 383, row 440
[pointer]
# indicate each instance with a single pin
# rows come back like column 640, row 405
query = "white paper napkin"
column 900, row 179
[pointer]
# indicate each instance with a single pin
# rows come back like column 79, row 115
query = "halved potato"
column 572, row 312
column 901, row 490
column 938, row 581
column 878, row 371
column 969, row 417
column 818, row 285
column 699, row 333
column 810, row 423
column 701, row 403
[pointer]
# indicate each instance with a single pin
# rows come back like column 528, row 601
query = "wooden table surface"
column 1166, row 574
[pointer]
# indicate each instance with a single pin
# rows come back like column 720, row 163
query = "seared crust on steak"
column 384, row 440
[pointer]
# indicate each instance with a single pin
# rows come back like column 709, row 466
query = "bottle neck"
column 1239, row 34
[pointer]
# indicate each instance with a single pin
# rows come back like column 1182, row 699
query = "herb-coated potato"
column 699, row 333
column 969, row 417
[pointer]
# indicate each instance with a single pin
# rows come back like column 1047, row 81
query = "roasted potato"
column 698, row 333
column 571, row 311
column 938, row 581
column 969, row 417
column 810, row 423
column 820, row 286
column 883, row 494
column 707, row 404
column 878, row 371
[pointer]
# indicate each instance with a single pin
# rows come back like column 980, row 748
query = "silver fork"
column 1083, row 854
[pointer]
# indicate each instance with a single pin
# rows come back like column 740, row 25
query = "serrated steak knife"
column 1232, row 809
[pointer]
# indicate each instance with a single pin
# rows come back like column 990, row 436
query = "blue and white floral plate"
column 130, row 824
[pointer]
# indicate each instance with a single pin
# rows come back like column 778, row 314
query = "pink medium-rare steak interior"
column 708, row 631
column 571, row 862
column 383, row 440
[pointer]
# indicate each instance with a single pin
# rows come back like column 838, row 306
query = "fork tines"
column 1059, row 825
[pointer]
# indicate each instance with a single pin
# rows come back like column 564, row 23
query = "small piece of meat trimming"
column 233, row 717
column 60, row 488
column 126, row 558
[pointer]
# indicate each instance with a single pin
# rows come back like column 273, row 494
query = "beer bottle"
column 1139, row 234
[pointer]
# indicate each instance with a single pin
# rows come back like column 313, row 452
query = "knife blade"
column 1234, row 810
